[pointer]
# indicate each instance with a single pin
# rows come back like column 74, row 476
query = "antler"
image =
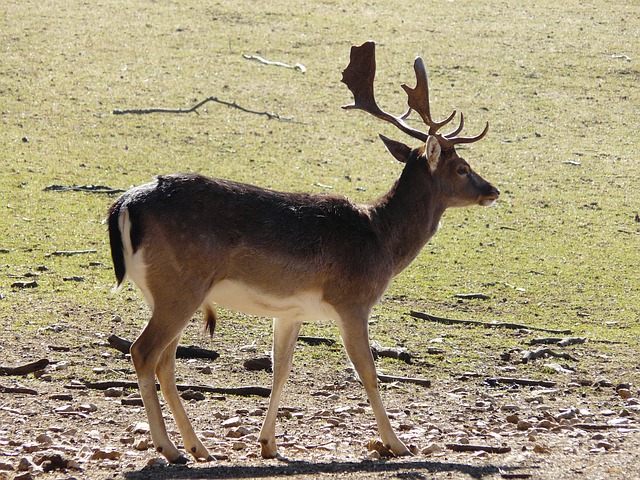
column 359, row 76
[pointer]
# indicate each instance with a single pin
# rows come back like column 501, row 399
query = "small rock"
column 239, row 446
column 432, row 449
column 87, row 407
column 604, row 444
column 140, row 427
column 105, row 455
column 238, row 432
column 24, row 476
column 157, row 462
column 129, row 440
column 513, row 418
column 192, row 395
column 25, row 465
column 625, row 393
column 6, row 467
column 541, row 448
column 43, row 438
column 113, row 392
column 524, row 425
column 232, row 422
column 141, row 444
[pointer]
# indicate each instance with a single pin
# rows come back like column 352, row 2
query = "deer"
column 191, row 242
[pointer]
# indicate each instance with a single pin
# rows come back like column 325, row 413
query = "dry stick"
column 242, row 391
column 70, row 253
column 145, row 111
column 562, row 342
column 535, row 354
column 124, row 346
column 461, row 447
column 596, row 426
column 393, row 378
column 388, row 352
column 83, row 188
column 515, row 326
column 297, row 66
column 25, row 369
column 521, row 381
column 25, row 391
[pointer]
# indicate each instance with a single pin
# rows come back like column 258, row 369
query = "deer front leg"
column 165, row 372
column 355, row 336
column 285, row 334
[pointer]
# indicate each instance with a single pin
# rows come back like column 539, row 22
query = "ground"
column 558, row 83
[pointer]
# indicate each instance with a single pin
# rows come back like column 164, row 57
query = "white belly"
column 303, row 306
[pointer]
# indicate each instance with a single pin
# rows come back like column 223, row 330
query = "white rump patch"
column 134, row 262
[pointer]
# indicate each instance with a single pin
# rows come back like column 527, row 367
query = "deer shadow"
column 410, row 469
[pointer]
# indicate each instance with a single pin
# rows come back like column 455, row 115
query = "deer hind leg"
column 165, row 371
column 285, row 334
column 355, row 336
column 158, row 336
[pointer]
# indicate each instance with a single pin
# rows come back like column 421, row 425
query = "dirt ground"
column 59, row 429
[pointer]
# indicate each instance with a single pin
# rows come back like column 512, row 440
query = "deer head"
column 465, row 187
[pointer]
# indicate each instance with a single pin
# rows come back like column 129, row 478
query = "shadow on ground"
column 401, row 469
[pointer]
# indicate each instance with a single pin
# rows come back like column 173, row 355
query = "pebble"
column 432, row 449
column 524, row 425
column 232, row 422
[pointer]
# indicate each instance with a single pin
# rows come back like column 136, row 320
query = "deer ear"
column 432, row 152
column 400, row 151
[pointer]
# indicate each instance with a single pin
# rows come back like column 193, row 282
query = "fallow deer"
column 189, row 242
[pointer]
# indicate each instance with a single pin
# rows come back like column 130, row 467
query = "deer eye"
column 463, row 171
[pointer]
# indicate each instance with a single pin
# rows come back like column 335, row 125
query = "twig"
column 316, row 340
column 145, row 111
column 297, row 66
column 561, row 342
column 535, row 354
column 83, row 188
column 70, row 253
column 393, row 378
column 124, row 346
column 520, row 381
column 596, row 426
column 25, row 391
column 388, row 352
column 25, row 369
column 514, row 326
column 472, row 296
column 461, row 447
column 241, row 391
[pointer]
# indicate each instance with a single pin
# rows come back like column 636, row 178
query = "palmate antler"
column 359, row 76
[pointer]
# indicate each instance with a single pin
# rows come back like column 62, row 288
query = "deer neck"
column 409, row 214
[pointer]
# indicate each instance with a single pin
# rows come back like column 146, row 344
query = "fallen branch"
column 124, row 346
column 393, row 378
column 194, row 109
column 25, row 369
column 297, row 66
column 520, row 381
column 514, row 326
column 25, row 391
column 543, row 352
column 461, row 447
column 83, row 188
column 241, row 391
column 561, row 342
